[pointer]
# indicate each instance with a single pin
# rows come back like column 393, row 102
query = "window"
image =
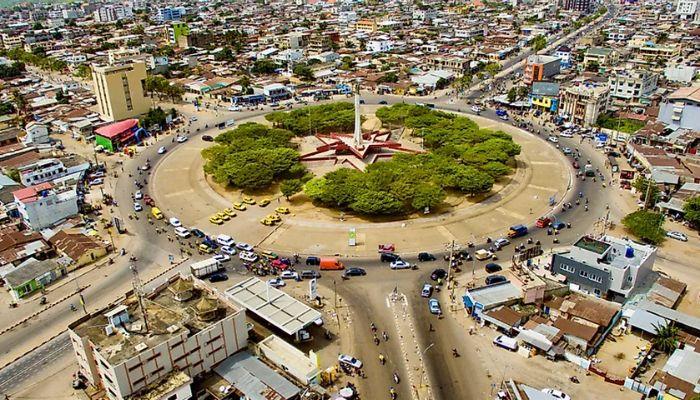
column 173, row 397
column 134, row 367
column 153, row 356
column 597, row 292
column 583, row 274
column 567, row 268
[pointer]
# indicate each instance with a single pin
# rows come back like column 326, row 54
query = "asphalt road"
column 31, row 364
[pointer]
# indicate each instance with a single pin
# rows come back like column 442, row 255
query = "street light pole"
column 422, row 371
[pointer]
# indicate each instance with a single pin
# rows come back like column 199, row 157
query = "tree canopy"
column 326, row 118
column 646, row 225
column 691, row 208
column 253, row 156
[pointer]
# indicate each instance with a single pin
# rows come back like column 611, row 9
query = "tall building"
column 687, row 9
column 43, row 205
column 165, row 14
column 188, row 329
column 113, row 12
column 583, row 104
column 539, row 68
column 120, row 90
column 632, row 86
column 583, row 6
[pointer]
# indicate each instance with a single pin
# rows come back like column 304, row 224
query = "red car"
column 543, row 222
column 575, row 165
column 148, row 200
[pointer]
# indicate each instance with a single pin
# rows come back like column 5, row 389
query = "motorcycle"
column 392, row 393
column 574, row 379
column 396, row 378
column 385, row 336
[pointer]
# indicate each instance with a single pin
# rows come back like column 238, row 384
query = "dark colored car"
column 207, row 240
column 494, row 279
column 389, row 257
column 383, row 102
column 425, row 257
column 197, row 233
column 355, row 272
column 309, row 274
column 218, row 277
column 558, row 225
column 207, row 138
column 438, row 274
column 492, row 267
column 313, row 260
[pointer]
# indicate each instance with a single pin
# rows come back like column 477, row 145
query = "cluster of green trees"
column 157, row 116
column 463, row 158
column 326, row 118
column 303, row 71
column 691, row 208
column 264, row 66
column 11, row 71
column 539, row 43
column 162, row 87
column 627, row 125
column 646, row 225
column 6, row 108
column 37, row 58
column 253, row 156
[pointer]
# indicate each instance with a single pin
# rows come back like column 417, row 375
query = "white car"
column 248, row 256
column 182, row 232
column 501, row 242
column 557, row 394
column 348, row 360
column 96, row 182
column 175, row 222
column 566, row 134
column 599, row 145
column 222, row 257
column 181, row 139
column 234, row 108
column 476, row 109
column 138, row 207
column 145, row 167
column 400, row 264
column 193, row 118
column 228, row 250
column 677, row 235
column 98, row 174
column 162, row 150
column 276, row 282
column 289, row 275
column 138, row 195
column 244, row 246
column 225, row 240
column 504, row 117
column 553, row 139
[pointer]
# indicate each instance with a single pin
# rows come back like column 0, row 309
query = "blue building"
column 170, row 14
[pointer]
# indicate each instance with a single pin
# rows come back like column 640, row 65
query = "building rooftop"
column 609, row 251
column 167, row 318
column 254, row 379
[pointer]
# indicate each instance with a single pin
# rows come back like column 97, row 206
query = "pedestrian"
column 430, row 328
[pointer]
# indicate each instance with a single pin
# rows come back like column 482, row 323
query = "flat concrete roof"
column 279, row 309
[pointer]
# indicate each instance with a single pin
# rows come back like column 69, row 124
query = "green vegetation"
column 691, row 208
column 37, row 58
column 264, row 66
column 666, row 338
column 156, row 116
column 619, row 124
column 83, row 71
column 646, row 225
column 11, row 71
column 539, row 43
column 304, row 72
column 162, row 87
column 641, row 184
column 463, row 159
column 326, row 118
column 6, row 108
column 253, row 156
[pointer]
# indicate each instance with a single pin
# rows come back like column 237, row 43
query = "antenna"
column 138, row 290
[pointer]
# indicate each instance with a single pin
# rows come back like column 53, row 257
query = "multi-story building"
column 608, row 267
column 188, row 328
column 44, row 170
column 539, row 68
column 120, row 90
column 583, row 6
column 113, row 12
column 424, row 14
column 545, row 96
column 601, row 55
column 632, row 86
column 43, row 205
column 583, row 103
column 651, row 52
column 379, row 46
column 682, row 108
column 366, row 25
column 563, row 53
column 10, row 40
column 687, row 9
column 458, row 65
column 164, row 14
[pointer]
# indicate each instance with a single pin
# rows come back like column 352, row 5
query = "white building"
column 632, row 86
column 44, row 170
column 43, row 205
column 687, row 9
column 113, row 12
column 424, row 14
column 37, row 133
column 189, row 329
column 170, row 14
column 379, row 46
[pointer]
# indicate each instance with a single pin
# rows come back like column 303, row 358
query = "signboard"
column 313, row 289
column 530, row 252
column 352, row 237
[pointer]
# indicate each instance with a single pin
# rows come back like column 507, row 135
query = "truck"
column 206, row 267
column 328, row 263
column 517, row 231
column 589, row 170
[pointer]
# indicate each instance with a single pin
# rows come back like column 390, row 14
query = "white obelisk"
column 357, row 136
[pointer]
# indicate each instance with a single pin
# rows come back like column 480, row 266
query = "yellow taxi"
column 215, row 220
column 205, row 249
column 269, row 255
column 267, row 221
column 248, row 200
column 223, row 216
column 282, row 210
column 229, row 212
column 274, row 217
column 264, row 202
column 239, row 206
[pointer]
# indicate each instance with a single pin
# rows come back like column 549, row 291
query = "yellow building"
column 120, row 90
column 366, row 25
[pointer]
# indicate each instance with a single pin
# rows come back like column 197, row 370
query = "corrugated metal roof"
column 254, row 379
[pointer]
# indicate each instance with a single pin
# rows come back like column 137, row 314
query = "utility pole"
column 335, row 306
column 449, row 265
column 138, row 290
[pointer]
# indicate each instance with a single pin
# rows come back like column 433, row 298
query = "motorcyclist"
column 382, row 359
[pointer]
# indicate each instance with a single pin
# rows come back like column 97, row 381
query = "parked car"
column 482, row 254
column 400, row 264
column 162, row 150
column 350, row 361
column 677, row 235
column 244, row 246
column 501, row 242
column 310, row 274
column 175, row 222
column 248, row 256
column 423, row 256
column 96, row 182
column 182, row 232
column 494, row 279
column 218, row 277
column 389, row 257
column 198, row 233
column 553, row 139
column 434, row 306
column 228, row 250
column 312, row 260
column 427, row 290
column 225, row 240
column 557, row 394
column 355, row 272
column 222, row 257
column 289, row 275
column 138, row 195
column 181, row 139
column 137, row 207
column 207, row 138
column 438, row 273
column 276, row 282
column 492, row 267
column 506, row 342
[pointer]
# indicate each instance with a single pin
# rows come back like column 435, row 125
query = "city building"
column 44, row 170
column 114, row 137
column 187, row 328
column 583, row 6
column 539, row 68
column 608, row 267
column 563, row 53
column 682, row 108
column 113, row 12
column 164, row 14
column 43, row 205
column 545, row 96
column 36, row 133
column 632, row 86
column 583, row 103
column 601, row 56
column 687, row 9
column 366, row 25
column 120, row 90
column 32, row 275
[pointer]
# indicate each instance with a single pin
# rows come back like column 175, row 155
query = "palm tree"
column 666, row 338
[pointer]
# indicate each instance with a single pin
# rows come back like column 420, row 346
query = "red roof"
column 117, row 128
column 28, row 195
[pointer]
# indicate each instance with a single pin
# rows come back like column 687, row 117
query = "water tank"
column 629, row 252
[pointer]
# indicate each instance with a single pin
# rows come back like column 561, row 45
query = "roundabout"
column 181, row 190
